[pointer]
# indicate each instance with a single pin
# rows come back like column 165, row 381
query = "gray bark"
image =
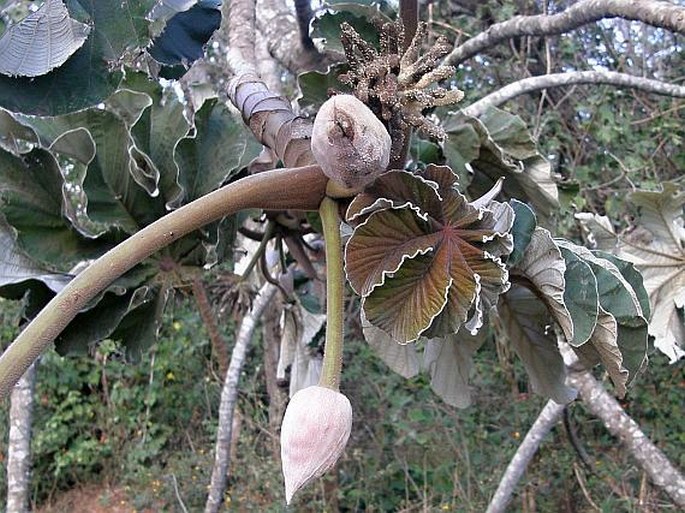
column 546, row 420
column 653, row 12
column 19, row 448
column 659, row 469
column 229, row 396
column 600, row 403
column 530, row 84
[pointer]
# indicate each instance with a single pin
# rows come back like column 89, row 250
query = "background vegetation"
column 141, row 427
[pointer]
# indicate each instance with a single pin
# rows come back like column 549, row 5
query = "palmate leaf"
column 16, row 267
column 497, row 145
column 422, row 258
column 448, row 361
column 31, row 201
column 543, row 269
column 657, row 249
column 42, row 41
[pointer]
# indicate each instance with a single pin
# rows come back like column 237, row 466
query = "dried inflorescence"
column 399, row 85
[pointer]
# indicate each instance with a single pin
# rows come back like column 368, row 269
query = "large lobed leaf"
column 496, row 145
column 72, row 186
column 42, row 41
column 423, row 259
column 597, row 301
column 657, row 249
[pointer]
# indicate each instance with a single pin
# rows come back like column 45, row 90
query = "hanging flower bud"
column 349, row 142
column 315, row 429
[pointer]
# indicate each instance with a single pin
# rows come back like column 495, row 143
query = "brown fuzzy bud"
column 315, row 429
column 349, row 142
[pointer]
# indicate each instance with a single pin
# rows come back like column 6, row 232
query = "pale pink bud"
column 349, row 142
column 315, row 429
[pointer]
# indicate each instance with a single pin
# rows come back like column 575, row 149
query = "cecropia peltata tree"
column 116, row 188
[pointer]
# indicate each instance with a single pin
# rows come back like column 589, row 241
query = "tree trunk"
column 229, row 396
column 19, row 449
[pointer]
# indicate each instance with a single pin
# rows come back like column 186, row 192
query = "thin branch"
column 217, row 342
column 531, row 84
column 547, row 419
column 652, row 12
column 298, row 188
column 178, row 494
column 229, row 396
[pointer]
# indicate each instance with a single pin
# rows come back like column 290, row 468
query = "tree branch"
column 546, row 420
column 600, row 403
column 241, row 36
column 658, row 467
column 229, row 396
column 530, row 84
column 652, row 12
column 299, row 189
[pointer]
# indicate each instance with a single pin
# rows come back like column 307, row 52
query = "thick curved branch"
column 652, row 12
column 272, row 120
column 530, row 84
column 241, row 36
column 282, row 189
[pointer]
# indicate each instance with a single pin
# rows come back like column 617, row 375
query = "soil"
column 92, row 499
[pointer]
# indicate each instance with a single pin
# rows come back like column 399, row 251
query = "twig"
column 178, row 494
column 581, row 482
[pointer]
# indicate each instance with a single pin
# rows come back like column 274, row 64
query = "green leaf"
column 542, row 269
column 315, row 86
column 16, row 267
column 221, row 147
column 461, row 147
column 522, row 230
column 504, row 149
column 449, row 362
column 617, row 297
column 424, row 258
column 42, row 41
column 657, row 249
column 526, row 323
column 31, row 200
column 91, row 74
column 603, row 348
column 580, row 297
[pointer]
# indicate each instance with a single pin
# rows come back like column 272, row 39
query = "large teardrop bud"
column 315, row 430
column 349, row 142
